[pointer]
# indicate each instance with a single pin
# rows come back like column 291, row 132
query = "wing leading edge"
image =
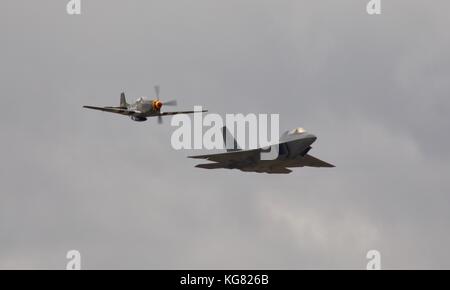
column 312, row 161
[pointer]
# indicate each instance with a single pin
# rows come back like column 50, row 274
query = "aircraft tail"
column 123, row 101
column 231, row 145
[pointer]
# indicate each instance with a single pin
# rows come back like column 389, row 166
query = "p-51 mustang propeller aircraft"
column 143, row 108
column 293, row 151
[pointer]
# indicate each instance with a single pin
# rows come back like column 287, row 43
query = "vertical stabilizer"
column 229, row 141
column 123, row 101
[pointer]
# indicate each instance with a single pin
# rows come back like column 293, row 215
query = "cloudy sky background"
column 374, row 89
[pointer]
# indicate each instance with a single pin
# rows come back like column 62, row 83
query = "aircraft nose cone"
column 158, row 105
column 311, row 137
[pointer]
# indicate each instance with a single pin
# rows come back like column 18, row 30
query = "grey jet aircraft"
column 142, row 108
column 293, row 151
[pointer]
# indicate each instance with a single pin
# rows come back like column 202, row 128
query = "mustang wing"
column 181, row 112
column 117, row 110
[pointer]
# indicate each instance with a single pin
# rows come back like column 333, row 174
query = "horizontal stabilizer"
column 280, row 170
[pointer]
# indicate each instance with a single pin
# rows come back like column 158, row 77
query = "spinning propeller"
column 158, row 104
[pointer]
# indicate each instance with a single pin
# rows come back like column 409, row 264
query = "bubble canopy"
column 297, row 131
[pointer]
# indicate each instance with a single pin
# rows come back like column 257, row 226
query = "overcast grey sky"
column 374, row 89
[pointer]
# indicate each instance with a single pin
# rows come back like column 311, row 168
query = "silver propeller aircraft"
column 293, row 151
column 142, row 108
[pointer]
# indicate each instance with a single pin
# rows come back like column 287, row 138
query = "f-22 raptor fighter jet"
column 293, row 151
column 143, row 108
